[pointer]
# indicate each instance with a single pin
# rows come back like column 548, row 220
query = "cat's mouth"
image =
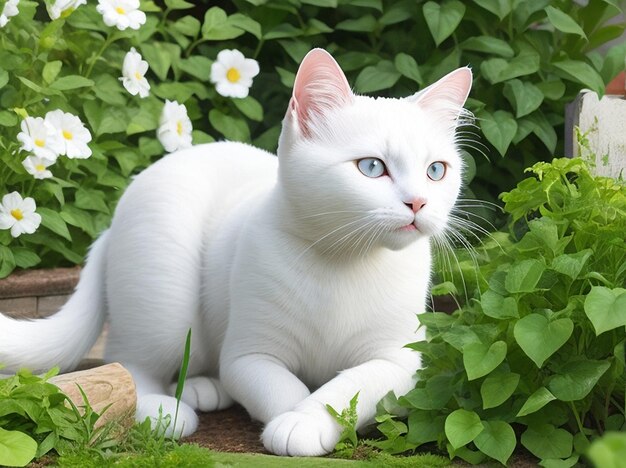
column 408, row 228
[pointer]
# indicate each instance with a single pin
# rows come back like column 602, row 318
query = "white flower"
column 133, row 72
column 72, row 133
column 10, row 9
column 18, row 214
column 63, row 8
column 121, row 13
column 232, row 73
column 37, row 167
column 174, row 130
column 39, row 137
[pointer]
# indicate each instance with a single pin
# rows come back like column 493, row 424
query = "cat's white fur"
column 299, row 285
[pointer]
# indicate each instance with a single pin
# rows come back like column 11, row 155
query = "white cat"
column 300, row 276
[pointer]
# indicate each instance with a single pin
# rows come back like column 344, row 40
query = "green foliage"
column 347, row 419
column 539, row 350
column 36, row 417
column 536, row 54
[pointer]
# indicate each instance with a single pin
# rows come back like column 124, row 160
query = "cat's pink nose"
column 416, row 204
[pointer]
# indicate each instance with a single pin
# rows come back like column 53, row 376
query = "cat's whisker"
column 491, row 205
column 326, row 213
column 338, row 244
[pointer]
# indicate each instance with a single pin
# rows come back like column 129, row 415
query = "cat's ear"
column 319, row 87
column 446, row 97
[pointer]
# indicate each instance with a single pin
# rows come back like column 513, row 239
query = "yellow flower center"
column 120, row 10
column 67, row 135
column 233, row 75
column 40, row 168
column 138, row 75
column 179, row 128
column 17, row 214
column 39, row 142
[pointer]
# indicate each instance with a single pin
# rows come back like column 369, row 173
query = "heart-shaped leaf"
column 443, row 18
column 496, row 389
column 479, row 359
column 577, row 378
column 496, row 440
column 606, row 308
column 499, row 128
column 524, row 96
column 539, row 338
column 546, row 441
column 462, row 427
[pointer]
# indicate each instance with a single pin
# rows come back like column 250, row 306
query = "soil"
column 229, row 430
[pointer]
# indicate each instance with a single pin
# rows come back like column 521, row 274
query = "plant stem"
column 579, row 423
column 107, row 42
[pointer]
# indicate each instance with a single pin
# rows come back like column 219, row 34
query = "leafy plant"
column 347, row 419
column 36, row 417
column 536, row 356
column 536, row 54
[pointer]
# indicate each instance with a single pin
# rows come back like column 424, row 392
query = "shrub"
column 536, row 357
column 531, row 53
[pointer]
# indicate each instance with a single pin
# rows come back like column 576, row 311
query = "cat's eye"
column 372, row 167
column 436, row 171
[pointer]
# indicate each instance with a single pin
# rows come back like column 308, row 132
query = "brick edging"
column 35, row 283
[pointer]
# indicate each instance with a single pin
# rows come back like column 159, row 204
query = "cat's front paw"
column 161, row 410
column 204, row 394
column 304, row 434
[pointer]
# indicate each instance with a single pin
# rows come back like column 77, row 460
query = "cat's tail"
column 64, row 338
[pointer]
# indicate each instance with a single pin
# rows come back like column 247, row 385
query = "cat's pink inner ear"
column 448, row 95
column 320, row 86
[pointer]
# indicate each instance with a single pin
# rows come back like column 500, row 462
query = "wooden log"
column 110, row 384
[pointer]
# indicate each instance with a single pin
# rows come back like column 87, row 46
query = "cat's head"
column 361, row 172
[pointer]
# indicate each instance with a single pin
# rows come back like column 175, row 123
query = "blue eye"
column 372, row 167
column 436, row 171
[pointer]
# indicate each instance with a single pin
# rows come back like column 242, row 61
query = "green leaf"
column 443, row 18
column 499, row 128
column 500, row 8
column 571, row 264
column 25, row 258
column 233, row 128
column 197, row 66
column 424, row 427
column 374, row 78
column 8, row 119
column 188, row 26
column 51, row 71
column 79, row 218
column 581, row 72
column 499, row 307
column 178, row 4
column 160, row 56
column 496, row 70
column 546, row 441
column 407, row 65
column 433, row 396
column 4, row 78
column 497, row 440
column 68, row 82
column 366, row 23
column 553, row 90
column 7, row 261
column 462, row 427
column 91, row 199
column 609, row 451
column 540, row 338
column 524, row 96
column 216, row 26
column 16, row 448
column 523, row 276
column 564, row 22
column 246, row 23
column 53, row 221
column 250, row 107
column 489, row 45
column 496, row 389
column 540, row 398
column 576, row 379
column 606, row 308
column 479, row 359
